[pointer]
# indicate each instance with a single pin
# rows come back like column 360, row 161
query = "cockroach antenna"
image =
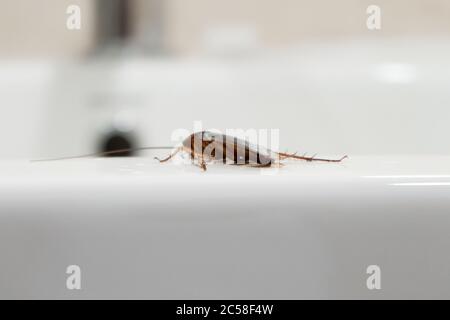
column 205, row 145
column 105, row 153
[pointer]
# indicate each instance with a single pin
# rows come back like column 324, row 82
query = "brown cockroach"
column 210, row 146
column 206, row 146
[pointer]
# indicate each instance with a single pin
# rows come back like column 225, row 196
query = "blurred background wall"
column 139, row 69
column 37, row 29
column 33, row 28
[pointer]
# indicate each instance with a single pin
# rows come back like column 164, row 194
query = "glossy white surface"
column 139, row 229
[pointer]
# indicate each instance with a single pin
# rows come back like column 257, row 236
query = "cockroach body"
column 210, row 146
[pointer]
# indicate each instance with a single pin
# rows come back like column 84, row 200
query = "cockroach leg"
column 282, row 156
column 313, row 158
column 169, row 157
column 202, row 162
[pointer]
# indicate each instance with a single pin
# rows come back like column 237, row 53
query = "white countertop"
column 390, row 170
column 140, row 229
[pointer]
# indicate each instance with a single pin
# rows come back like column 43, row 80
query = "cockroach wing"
column 242, row 152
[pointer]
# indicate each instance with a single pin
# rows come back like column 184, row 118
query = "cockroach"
column 210, row 146
column 207, row 146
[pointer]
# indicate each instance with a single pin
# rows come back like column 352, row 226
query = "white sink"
column 139, row 229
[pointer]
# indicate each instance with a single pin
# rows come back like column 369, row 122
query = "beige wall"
column 286, row 22
column 147, row 19
column 38, row 28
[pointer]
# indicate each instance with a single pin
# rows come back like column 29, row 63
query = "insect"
column 210, row 146
column 207, row 146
